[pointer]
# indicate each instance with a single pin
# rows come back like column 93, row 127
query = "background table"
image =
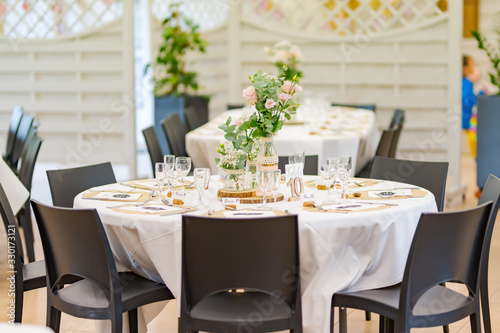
column 354, row 251
column 343, row 131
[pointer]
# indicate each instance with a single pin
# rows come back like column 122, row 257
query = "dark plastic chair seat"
column 310, row 164
column 235, row 307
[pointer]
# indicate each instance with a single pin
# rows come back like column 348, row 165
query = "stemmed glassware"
column 265, row 179
column 297, row 157
column 201, row 180
column 347, row 161
column 333, row 164
column 160, row 174
column 171, row 173
column 276, row 184
column 328, row 176
column 343, row 174
column 183, row 166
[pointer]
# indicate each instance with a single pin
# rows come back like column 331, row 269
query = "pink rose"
column 250, row 95
column 284, row 96
column 270, row 103
column 297, row 88
column 238, row 122
column 286, row 87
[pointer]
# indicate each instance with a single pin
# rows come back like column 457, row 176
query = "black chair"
column 27, row 163
column 175, row 131
column 234, row 106
column 397, row 121
column 199, row 104
column 447, row 247
column 398, row 118
column 75, row 245
column 193, row 118
column 25, row 127
column 491, row 192
column 153, row 144
column 310, row 164
column 371, row 107
column 15, row 121
column 384, row 149
column 259, row 258
column 26, row 276
column 429, row 175
column 65, row 184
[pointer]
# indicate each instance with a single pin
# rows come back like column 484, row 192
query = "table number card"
column 294, row 180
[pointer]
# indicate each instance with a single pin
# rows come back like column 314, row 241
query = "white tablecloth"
column 354, row 251
column 344, row 131
column 15, row 190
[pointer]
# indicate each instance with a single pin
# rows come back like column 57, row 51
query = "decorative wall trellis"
column 80, row 85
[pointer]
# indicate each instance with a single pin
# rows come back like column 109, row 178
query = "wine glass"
column 328, row 176
column 160, row 174
column 201, row 179
column 276, row 184
column 347, row 161
column 332, row 164
column 183, row 166
column 343, row 175
column 169, row 159
column 265, row 181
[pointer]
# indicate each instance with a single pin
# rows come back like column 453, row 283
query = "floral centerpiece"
column 286, row 54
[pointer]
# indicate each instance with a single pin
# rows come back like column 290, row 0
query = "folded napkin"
column 128, row 197
column 389, row 193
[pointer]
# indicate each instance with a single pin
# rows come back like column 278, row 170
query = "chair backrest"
column 28, row 159
column 386, row 142
column 446, row 248
column 22, row 134
column 398, row 118
column 12, row 232
column 200, row 106
column 193, row 119
column 65, row 184
column 234, row 106
column 252, row 254
column 429, row 175
column 175, row 131
column 153, row 144
column 395, row 140
column 310, row 164
column 15, row 121
column 74, row 245
column 371, row 107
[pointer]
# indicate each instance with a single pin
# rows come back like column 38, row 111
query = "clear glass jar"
column 267, row 158
column 233, row 180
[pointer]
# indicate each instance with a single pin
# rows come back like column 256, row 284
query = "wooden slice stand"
column 248, row 196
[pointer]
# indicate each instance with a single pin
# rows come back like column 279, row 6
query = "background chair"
column 15, row 121
column 199, row 104
column 371, row 107
column 384, row 149
column 234, row 106
column 397, row 121
column 220, row 255
column 75, row 245
column 429, row 175
column 65, row 184
column 153, row 144
column 491, row 192
column 26, row 276
column 193, row 118
column 175, row 131
column 310, row 164
column 25, row 127
column 398, row 118
column 27, row 163
column 446, row 248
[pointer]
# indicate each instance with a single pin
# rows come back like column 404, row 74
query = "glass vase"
column 233, row 180
column 267, row 158
column 251, row 174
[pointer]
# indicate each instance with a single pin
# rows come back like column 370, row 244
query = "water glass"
column 276, row 184
column 347, row 161
column 297, row 157
column 201, row 180
column 265, row 180
column 343, row 175
column 333, row 163
column 160, row 174
column 183, row 166
column 328, row 176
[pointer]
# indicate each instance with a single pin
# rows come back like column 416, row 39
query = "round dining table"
column 337, row 131
column 361, row 244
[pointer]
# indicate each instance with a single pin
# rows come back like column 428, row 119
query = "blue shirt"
column 469, row 100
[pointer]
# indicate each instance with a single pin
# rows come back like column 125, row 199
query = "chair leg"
column 132, row 321
column 117, row 323
column 368, row 315
column 18, row 307
column 446, row 329
column 381, row 325
column 475, row 322
column 53, row 318
column 332, row 318
column 485, row 303
column 342, row 320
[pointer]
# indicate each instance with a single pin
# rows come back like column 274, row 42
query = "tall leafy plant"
column 180, row 35
column 493, row 54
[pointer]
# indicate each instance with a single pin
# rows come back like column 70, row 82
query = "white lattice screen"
column 74, row 74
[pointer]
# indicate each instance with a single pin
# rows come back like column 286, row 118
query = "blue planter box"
column 164, row 106
column 488, row 138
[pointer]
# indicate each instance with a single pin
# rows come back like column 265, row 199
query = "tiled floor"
column 34, row 306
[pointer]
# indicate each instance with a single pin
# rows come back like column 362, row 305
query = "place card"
column 389, row 193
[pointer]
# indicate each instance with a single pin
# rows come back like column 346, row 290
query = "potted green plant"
column 174, row 84
column 488, row 114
